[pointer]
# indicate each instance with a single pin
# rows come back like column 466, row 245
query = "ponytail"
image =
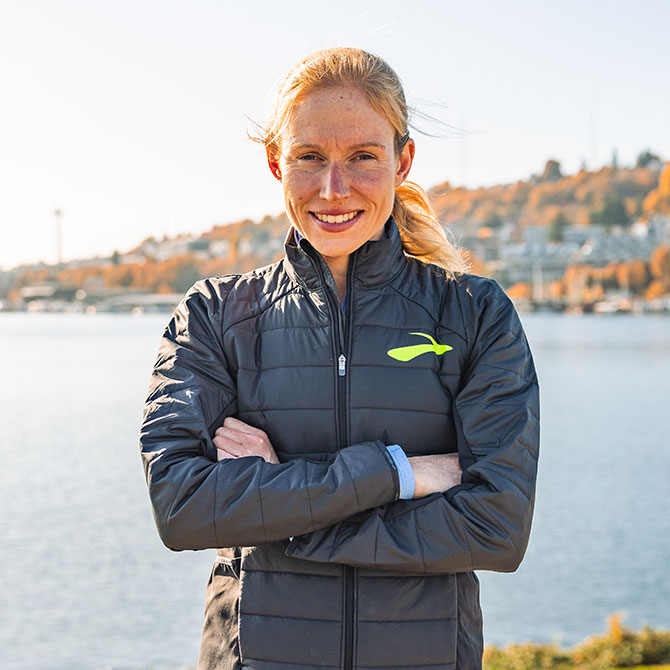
column 421, row 234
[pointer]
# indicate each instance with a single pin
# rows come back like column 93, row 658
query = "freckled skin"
column 337, row 157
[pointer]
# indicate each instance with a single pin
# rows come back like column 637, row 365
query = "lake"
column 85, row 582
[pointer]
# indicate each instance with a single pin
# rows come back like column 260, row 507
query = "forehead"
column 337, row 114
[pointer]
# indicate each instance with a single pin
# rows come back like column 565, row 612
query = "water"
column 85, row 582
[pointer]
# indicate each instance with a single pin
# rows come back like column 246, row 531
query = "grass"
column 620, row 647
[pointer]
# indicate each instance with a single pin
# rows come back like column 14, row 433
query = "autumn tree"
column 658, row 200
column 659, row 266
column 633, row 275
column 520, row 291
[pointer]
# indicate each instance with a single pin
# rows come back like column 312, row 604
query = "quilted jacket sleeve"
column 200, row 503
column 483, row 523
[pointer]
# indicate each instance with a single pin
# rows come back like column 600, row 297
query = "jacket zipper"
column 349, row 572
column 341, row 321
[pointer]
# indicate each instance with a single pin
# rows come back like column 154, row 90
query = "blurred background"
column 126, row 174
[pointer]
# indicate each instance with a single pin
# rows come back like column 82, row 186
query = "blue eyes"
column 311, row 158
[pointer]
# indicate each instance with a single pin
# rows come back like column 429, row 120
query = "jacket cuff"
column 405, row 472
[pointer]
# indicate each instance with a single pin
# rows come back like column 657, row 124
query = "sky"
column 131, row 116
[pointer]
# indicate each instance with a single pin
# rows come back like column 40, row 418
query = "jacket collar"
column 376, row 262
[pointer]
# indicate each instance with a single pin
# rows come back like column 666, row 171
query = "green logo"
column 408, row 353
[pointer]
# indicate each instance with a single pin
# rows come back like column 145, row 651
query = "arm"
column 200, row 503
column 484, row 522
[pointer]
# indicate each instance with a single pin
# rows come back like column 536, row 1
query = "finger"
column 248, row 447
column 235, row 424
column 222, row 454
column 226, row 443
column 257, row 441
column 231, row 434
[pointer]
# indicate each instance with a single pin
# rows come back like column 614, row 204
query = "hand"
column 435, row 474
column 236, row 439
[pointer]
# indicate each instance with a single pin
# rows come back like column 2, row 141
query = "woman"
column 354, row 428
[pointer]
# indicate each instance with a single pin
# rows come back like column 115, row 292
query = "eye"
column 364, row 157
column 309, row 158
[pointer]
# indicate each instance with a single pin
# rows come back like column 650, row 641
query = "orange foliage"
column 656, row 289
column 633, row 275
column 476, row 265
column 520, row 291
column 556, row 290
column 659, row 264
column 538, row 203
column 658, row 200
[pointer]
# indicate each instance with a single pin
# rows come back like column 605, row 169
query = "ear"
column 273, row 161
column 405, row 162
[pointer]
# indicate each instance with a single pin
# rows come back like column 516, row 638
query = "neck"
column 338, row 266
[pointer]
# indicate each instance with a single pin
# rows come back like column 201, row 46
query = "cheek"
column 299, row 187
column 375, row 183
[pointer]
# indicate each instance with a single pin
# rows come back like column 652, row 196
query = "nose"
column 335, row 185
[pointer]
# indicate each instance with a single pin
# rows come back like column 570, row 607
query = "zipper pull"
column 341, row 366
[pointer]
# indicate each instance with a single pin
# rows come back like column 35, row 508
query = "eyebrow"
column 355, row 147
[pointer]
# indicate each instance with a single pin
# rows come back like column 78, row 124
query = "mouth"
column 336, row 222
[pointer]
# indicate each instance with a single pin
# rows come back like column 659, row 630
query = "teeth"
column 340, row 218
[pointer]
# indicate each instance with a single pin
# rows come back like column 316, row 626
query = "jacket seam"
column 392, row 621
column 286, row 616
column 260, row 500
column 388, row 280
column 255, row 314
column 309, row 498
column 418, row 304
column 514, row 484
column 415, row 525
column 503, row 531
column 289, row 663
column 496, row 404
column 216, row 488
column 353, row 483
column 356, row 408
column 460, row 311
column 288, row 572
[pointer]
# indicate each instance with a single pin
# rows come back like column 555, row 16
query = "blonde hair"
column 422, row 235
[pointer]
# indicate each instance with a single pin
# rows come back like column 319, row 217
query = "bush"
column 620, row 647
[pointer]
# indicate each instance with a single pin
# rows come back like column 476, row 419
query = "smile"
column 336, row 218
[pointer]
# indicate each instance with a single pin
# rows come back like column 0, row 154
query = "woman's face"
column 339, row 170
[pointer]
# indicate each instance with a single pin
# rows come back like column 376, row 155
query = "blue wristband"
column 405, row 472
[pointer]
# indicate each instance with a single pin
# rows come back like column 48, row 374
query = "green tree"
column 186, row 275
column 612, row 213
column 552, row 171
column 493, row 220
column 557, row 227
column 615, row 159
column 645, row 157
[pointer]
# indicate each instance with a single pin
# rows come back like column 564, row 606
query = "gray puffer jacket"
column 319, row 564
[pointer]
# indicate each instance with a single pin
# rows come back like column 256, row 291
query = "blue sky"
column 131, row 116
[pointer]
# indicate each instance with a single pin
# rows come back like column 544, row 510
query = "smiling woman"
column 337, row 163
column 351, row 477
